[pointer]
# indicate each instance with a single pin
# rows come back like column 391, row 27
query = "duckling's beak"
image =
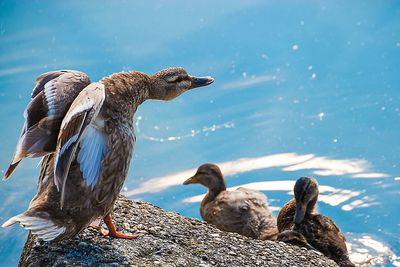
column 300, row 212
column 200, row 81
column 192, row 180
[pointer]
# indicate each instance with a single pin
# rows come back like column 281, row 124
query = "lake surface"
column 301, row 88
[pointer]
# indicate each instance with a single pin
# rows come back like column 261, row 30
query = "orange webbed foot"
column 112, row 231
column 117, row 234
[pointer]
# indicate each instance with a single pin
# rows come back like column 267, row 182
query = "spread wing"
column 81, row 137
column 51, row 97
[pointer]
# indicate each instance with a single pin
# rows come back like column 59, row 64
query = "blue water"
column 301, row 88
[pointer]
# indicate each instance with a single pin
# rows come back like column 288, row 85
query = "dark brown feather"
column 323, row 234
column 320, row 232
column 39, row 133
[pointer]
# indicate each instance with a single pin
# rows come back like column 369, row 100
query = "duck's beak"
column 200, row 81
column 300, row 212
column 192, row 180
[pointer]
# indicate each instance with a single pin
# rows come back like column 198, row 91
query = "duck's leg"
column 112, row 231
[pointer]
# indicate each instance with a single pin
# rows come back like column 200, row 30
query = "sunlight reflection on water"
column 365, row 250
column 322, row 166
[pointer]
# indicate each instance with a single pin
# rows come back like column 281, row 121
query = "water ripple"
column 322, row 166
column 205, row 130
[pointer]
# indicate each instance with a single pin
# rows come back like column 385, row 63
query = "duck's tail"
column 44, row 229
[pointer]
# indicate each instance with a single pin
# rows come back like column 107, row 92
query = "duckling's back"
column 243, row 211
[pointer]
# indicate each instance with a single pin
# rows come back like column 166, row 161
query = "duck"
column 243, row 211
column 84, row 132
column 298, row 218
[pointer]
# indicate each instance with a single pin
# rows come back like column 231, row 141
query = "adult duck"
column 299, row 216
column 85, row 133
column 243, row 210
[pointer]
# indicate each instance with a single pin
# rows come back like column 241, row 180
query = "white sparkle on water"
column 295, row 47
column 313, row 76
column 321, row 116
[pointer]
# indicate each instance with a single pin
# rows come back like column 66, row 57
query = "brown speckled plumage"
column 298, row 217
column 242, row 211
column 82, row 175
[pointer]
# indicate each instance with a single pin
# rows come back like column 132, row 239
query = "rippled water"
column 301, row 88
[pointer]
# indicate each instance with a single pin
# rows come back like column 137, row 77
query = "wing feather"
column 93, row 147
column 51, row 97
column 74, row 128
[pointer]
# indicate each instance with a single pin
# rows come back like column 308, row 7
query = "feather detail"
column 75, row 124
column 43, row 228
column 93, row 147
column 51, row 97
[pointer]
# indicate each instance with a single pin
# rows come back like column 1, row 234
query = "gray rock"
column 165, row 239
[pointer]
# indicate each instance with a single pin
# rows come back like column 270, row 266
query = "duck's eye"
column 176, row 79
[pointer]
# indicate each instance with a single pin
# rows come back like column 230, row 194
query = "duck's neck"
column 213, row 192
column 125, row 91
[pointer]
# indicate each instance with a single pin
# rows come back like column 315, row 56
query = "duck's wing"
column 242, row 211
column 51, row 97
column 81, row 127
column 260, row 218
column 323, row 234
column 225, row 213
column 286, row 216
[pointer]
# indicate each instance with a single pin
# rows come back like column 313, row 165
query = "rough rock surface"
column 165, row 239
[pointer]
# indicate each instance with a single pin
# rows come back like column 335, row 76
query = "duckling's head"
column 169, row 83
column 208, row 175
column 306, row 195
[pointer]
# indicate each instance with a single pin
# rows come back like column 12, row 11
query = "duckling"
column 299, row 215
column 85, row 133
column 243, row 211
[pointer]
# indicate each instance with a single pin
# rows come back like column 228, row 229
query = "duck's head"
column 306, row 195
column 169, row 83
column 208, row 175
